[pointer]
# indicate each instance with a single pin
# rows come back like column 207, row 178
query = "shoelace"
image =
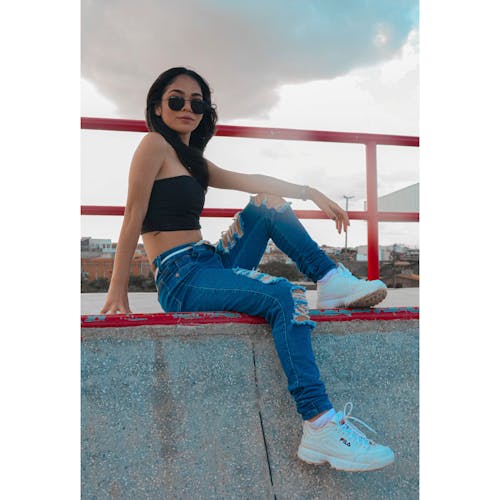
column 357, row 433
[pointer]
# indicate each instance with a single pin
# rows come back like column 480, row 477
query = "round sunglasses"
column 198, row 107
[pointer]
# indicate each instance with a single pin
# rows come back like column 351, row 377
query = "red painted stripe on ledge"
column 221, row 317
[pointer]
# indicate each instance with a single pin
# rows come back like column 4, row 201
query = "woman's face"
column 183, row 121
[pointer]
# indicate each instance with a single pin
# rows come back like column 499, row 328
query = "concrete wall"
column 203, row 411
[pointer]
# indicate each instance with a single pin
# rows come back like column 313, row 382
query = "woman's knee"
column 230, row 237
column 294, row 301
column 269, row 201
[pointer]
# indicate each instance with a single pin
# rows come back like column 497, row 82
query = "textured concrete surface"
column 146, row 302
column 203, row 411
column 378, row 373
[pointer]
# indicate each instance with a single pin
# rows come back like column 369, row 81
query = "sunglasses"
column 198, row 107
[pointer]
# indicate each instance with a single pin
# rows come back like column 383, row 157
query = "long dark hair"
column 190, row 156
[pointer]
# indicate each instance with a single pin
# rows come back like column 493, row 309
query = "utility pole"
column 347, row 198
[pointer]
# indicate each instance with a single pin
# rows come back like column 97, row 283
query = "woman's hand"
column 332, row 209
column 116, row 302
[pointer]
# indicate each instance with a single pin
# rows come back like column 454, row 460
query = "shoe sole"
column 316, row 458
column 352, row 302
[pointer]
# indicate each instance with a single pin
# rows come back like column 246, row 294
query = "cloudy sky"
column 322, row 65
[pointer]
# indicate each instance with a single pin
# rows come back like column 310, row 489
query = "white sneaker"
column 343, row 445
column 343, row 289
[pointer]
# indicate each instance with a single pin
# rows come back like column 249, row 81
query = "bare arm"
column 146, row 163
column 257, row 183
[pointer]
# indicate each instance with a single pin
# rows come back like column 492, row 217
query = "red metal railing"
column 371, row 141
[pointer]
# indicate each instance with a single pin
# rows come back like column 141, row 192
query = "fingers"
column 346, row 222
column 336, row 219
column 336, row 213
column 338, row 223
column 340, row 217
column 116, row 309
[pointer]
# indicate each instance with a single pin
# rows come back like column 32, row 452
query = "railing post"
column 372, row 209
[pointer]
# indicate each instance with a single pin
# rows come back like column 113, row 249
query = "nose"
column 187, row 106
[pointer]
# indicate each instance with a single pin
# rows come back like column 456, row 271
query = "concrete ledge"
column 188, row 411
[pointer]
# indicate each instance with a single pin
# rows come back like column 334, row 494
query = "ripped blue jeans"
column 203, row 277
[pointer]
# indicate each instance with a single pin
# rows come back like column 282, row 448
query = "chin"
column 184, row 130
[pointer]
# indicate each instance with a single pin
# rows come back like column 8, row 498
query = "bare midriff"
column 157, row 242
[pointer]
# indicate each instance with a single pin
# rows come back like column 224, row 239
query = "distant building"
column 402, row 200
column 389, row 252
column 399, row 249
column 140, row 249
column 96, row 267
column 85, row 244
column 98, row 255
column 91, row 247
column 102, row 267
column 384, row 253
column 100, row 244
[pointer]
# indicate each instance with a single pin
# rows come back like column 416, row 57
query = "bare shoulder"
column 155, row 142
column 153, row 150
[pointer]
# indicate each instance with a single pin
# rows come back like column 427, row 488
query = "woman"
column 167, row 183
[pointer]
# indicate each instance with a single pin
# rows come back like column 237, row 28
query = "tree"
column 97, row 285
column 141, row 283
column 136, row 284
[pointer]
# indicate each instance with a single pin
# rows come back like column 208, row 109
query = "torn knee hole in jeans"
column 270, row 201
column 230, row 237
column 301, row 308
column 256, row 275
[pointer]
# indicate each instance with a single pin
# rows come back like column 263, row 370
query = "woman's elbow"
column 133, row 217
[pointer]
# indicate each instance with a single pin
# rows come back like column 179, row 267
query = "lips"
column 186, row 118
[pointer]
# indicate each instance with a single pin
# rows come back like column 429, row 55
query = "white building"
column 100, row 244
column 384, row 253
column 93, row 247
column 402, row 200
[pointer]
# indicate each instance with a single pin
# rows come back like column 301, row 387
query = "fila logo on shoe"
column 344, row 440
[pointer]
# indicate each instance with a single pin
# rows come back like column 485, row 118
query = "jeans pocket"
column 173, row 275
column 183, row 263
column 167, row 291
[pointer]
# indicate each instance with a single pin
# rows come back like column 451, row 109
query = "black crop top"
column 175, row 204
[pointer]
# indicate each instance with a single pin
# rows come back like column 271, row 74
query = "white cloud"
column 246, row 50
column 95, row 104
column 382, row 98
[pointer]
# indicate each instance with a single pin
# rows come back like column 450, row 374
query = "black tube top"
column 175, row 204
